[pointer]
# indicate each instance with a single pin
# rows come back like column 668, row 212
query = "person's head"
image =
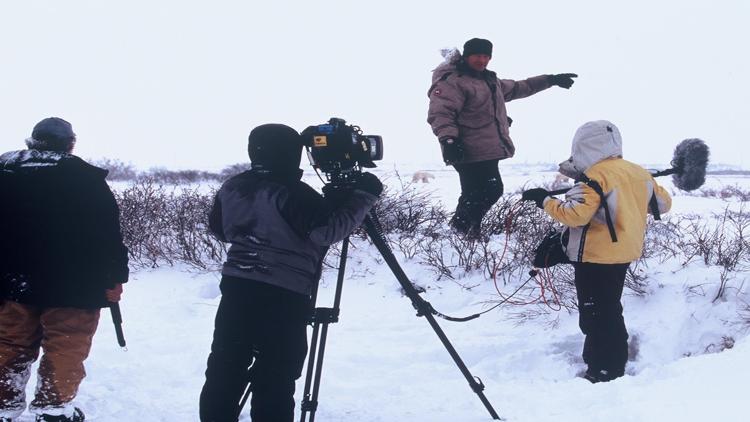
column 593, row 142
column 477, row 53
column 274, row 147
column 52, row 134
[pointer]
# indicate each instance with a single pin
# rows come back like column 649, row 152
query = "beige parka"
column 470, row 106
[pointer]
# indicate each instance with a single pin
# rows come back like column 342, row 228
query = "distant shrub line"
column 163, row 224
column 124, row 172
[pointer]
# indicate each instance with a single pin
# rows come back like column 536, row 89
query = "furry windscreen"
column 690, row 160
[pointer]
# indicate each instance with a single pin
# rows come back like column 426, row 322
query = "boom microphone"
column 688, row 164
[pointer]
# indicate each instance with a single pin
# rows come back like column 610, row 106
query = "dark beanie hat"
column 477, row 46
column 274, row 147
column 52, row 134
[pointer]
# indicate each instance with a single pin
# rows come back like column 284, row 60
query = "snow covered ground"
column 385, row 364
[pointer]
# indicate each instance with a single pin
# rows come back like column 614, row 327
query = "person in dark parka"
column 467, row 113
column 279, row 229
column 62, row 260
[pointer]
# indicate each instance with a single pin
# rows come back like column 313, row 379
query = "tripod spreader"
column 325, row 316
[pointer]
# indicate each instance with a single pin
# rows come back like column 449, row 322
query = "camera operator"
column 279, row 229
column 467, row 114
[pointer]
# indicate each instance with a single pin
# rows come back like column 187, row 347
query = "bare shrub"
column 744, row 315
column 143, row 207
column 233, row 170
column 191, row 241
column 179, row 177
column 409, row 210
column 725, row 192
column 719, row 241
column 662, row 239
column 165, row 227
column 118, row 170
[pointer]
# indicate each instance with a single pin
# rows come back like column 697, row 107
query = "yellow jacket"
column 628, row 189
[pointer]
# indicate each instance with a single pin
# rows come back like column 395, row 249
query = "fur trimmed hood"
column 33, row 159
column 451, row 58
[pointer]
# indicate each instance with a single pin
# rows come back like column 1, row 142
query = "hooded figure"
column 279, row 230
column 600, row 255
column 468, row 116
column 628, row 190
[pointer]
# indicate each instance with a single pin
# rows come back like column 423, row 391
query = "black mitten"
column 453, row 150
column 369, row 183
column 563, row 80
column 537, row 195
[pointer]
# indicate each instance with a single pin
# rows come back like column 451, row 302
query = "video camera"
column 340, row 150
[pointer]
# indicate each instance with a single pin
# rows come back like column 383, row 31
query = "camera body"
column 340, row 150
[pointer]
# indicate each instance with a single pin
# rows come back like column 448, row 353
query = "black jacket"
column 280, row 228
column 60, row 238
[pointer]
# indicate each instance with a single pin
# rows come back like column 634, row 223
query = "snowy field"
column 385, row 364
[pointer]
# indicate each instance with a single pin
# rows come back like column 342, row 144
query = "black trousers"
column 261, row 324
column 481, row 187
column 599, row 290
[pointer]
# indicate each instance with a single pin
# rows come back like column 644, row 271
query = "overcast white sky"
column 179, row 84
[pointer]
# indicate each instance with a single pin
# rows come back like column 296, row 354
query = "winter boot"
column 78, row 416
column 602, row 375
column 4, row 419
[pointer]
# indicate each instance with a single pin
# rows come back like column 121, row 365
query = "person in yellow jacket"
column 606, row 215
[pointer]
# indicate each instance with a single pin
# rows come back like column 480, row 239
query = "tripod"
column 321, row 317
column 324, row 316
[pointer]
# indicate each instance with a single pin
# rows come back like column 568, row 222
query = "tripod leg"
column 321, row 318
column 307, row 404
column 373, row 230
column 318, row 373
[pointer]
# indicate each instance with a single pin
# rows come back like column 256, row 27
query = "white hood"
column 593, row 142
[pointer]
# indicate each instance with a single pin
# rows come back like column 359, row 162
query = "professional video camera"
column 340, row 150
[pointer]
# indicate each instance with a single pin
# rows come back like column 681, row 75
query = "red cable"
column 545, row 276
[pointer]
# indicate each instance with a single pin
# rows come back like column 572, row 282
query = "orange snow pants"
column 64, row 335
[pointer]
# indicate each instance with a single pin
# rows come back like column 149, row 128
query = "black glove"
column 453, row 150
column 563, row 80
column 537, row 195
column 369, row 183
column 331, row 191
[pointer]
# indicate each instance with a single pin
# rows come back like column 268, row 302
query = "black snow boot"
column 602, row 375
column 78, row 416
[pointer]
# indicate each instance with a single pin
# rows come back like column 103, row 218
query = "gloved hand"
column 563, row 80
column 369, row 183
column 114, row 294
column 330, row 191
column 537, row 195
column 453, row 150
